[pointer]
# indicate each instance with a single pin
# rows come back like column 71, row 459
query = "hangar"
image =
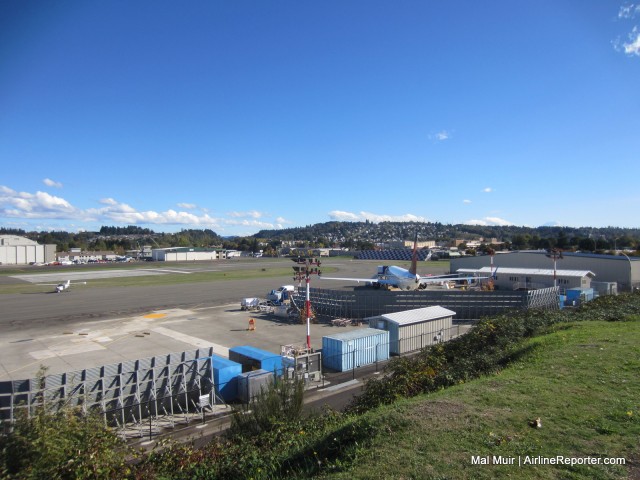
column 15, row 250
column 181, row 254
column 530, row 278
column 621, row 269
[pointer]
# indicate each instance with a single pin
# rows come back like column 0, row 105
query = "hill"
column 581, row 380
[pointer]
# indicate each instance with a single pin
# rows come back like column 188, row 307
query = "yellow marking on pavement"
column 155, row 315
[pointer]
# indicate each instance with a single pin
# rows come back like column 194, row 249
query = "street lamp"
column 630, row 273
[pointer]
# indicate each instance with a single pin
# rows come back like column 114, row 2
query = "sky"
column 239, row 116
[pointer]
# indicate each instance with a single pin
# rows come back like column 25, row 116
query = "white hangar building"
column 621, row 269
column 181, row 254
column 509, row 278
column 15, row 250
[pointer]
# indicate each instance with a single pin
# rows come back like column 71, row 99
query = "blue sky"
column 241, row 116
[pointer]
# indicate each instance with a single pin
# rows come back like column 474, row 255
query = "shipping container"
column 225, row 373
column 252, row 358
column 345, row 351
column 250, row 384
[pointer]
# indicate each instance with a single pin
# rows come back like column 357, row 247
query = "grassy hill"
column 581, row 379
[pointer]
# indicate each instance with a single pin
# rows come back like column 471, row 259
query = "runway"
column 98, row 326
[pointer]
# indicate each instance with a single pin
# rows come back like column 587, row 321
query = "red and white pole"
column 307, row 306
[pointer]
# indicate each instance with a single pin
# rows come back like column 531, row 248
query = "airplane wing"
column 367, row 280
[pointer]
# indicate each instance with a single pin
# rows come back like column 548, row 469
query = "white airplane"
column 391, row 276
column 61, row 287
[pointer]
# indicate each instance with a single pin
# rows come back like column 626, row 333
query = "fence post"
column 353, row 364
column 149, row 410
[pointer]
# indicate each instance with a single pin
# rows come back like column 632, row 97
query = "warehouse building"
column 15, row 250
column 532, row 278
column 415, row 329
column 181, row 254
column 621, row 269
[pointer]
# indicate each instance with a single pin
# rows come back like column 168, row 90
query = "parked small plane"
column 61, row 287
column 391, row 276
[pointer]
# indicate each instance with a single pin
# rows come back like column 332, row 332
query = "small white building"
column 412, row 330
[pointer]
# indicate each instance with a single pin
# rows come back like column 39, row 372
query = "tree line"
column 349, row 235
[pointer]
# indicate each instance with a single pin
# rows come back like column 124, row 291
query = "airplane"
column 61, row 287
column 392, row 276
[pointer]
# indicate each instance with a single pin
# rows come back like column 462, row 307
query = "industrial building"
column 181, row 254
column 509, row 278
column 412, row 330
column 621, row 269
column 15, row 250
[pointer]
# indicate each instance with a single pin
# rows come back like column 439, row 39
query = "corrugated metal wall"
column 468, row 305
column 408, row 338
column 345, row 351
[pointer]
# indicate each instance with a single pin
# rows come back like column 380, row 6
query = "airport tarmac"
column 92, row 327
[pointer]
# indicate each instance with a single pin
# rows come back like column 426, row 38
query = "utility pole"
column 306, row 267
column 555, row 254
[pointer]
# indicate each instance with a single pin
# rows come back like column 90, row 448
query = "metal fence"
column 468, row 305
column 120, row 391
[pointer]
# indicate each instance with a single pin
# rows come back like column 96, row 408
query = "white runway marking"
column 60, row 351
column 62, row 276
column 196, row 342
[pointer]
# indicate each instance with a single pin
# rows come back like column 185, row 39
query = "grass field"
column 581, row 380
column 259, row 271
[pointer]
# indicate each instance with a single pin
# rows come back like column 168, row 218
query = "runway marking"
column 196, row 342
column 162, row 270
column 61, row 351
column 155, row 315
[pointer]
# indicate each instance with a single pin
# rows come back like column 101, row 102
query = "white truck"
column 281, row 294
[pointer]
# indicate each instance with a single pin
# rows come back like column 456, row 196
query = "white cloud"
column 440, row 136
column 489, row 221
column 188, row 206
column 466, row 202
column 250, row 223
column 250, row 214
column 487, row 190
column 633, row 46
column 342, row 216
column 628, row 10
column 33, row 205
column 51, row 183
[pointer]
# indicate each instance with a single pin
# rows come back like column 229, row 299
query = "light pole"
column 630, row 273
column 305, row 270
column 556, row 255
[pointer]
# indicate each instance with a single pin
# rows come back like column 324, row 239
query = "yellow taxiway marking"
column 155, row 315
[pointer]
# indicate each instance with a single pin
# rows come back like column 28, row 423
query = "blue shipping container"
column 225, row 377
column 253, row 358
column 345, row 351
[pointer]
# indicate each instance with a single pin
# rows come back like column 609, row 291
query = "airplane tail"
column 414, row 259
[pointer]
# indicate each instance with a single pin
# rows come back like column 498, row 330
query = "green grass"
column 166, row 279
column 581, row 380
